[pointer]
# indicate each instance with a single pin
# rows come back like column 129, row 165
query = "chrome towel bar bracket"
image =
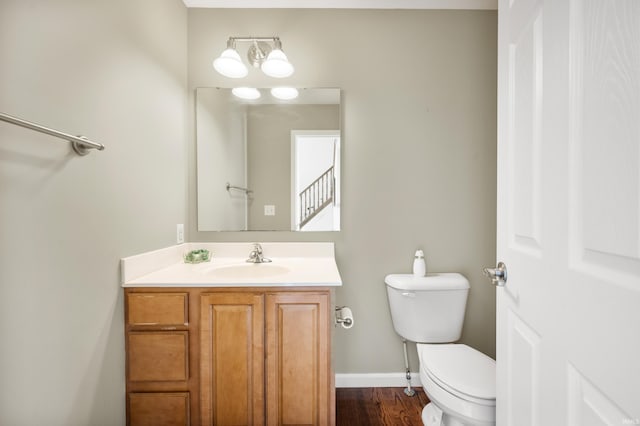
column 239, row 188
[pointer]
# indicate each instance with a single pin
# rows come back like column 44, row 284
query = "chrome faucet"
column 255, row 256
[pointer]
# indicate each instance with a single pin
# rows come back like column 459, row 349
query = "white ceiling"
column 345, row 4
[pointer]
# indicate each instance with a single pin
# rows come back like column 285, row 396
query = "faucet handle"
column 257, row 248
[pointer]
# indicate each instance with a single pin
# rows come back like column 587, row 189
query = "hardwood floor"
column 379, row 407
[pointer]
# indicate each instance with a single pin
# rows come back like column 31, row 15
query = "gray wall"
column 269, row 156
column 116, row 72
column 419, row 149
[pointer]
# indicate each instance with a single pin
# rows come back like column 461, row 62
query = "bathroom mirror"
column 268, row 164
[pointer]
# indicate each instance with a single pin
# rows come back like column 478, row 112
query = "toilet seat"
column 460, row 370
column 455, row 410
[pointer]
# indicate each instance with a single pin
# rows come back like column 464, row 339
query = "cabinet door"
column 158, row 408
column 298, row 359
column 168, row 309
column 232, row 359
column 158, row 356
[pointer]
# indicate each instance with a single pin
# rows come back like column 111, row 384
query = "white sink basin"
column 248, row 271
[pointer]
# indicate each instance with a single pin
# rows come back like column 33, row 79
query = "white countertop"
column 293, row 264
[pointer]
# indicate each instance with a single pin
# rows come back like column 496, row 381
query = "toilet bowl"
column 459, row 380
column 460, row 383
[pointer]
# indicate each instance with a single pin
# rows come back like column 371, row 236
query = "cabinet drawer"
column 159, row 408
column 158, row 356
column 157, row 309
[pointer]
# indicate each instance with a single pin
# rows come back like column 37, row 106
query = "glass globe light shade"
column 284, row 93
column 276, row 65
column 230, row 65
column 248, row 93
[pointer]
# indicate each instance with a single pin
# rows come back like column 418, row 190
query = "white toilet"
column 459, row 381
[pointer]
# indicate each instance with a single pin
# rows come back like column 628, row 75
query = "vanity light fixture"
column 284, row 93
column 260, row 54
column 248, row 93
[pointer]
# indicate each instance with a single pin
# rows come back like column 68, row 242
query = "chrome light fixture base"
column 258, row 52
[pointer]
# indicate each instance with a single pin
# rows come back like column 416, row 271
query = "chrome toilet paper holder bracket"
column 338, row 317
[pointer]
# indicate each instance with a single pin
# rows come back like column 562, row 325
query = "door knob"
column 498, row 275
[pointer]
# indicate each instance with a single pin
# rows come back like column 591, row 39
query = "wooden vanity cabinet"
column 159, row 371
column 254, row 356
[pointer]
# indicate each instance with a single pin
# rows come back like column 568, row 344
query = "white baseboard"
column 376, row 380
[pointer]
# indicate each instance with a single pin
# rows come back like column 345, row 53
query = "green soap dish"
column 197, row 256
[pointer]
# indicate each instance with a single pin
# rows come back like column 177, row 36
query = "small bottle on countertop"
column 419, row 265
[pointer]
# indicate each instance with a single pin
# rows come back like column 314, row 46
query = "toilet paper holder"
column 343, row 316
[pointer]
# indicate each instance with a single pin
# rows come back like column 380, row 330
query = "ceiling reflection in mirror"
column 268, row 164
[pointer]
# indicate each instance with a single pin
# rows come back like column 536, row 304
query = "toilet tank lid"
column 439, row 281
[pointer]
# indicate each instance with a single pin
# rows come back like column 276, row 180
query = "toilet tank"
column 428, row 309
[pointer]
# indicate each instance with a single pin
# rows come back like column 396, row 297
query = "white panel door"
column 568, row 318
